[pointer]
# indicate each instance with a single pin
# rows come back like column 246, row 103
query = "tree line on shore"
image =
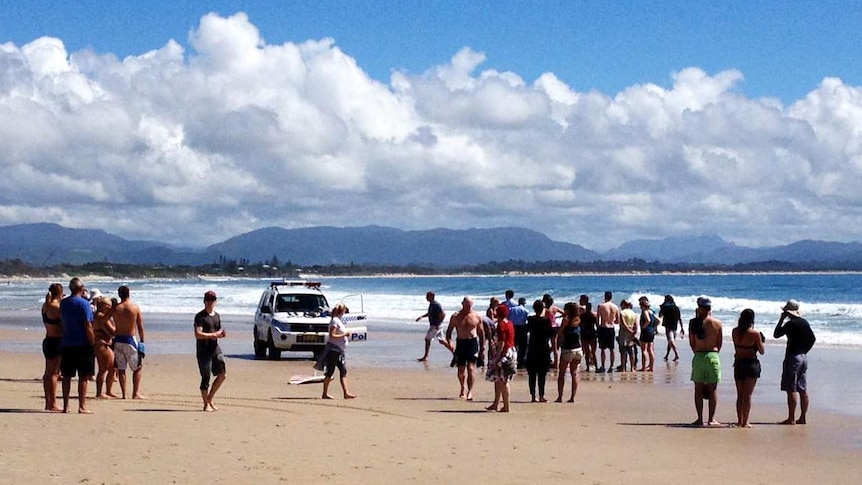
column 272, row 268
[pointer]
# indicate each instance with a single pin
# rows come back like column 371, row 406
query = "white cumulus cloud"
column 196, row 142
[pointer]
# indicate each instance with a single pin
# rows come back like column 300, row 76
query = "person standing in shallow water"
column 747, row 343
column 211, row 361
column 800, row 340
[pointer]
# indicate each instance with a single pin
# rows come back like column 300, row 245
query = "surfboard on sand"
column 306, row 379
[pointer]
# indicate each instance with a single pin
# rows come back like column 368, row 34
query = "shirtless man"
column 127, row 351
column 705, row 339
column 470, row 344
column 608, row 315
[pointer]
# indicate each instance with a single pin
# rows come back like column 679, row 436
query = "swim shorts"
column 126, row 356
column 435, row 333
column 706, row 368
column 793, row 374
column 746, row 369
column 80, row 361
column 606, row 337
column 466, row 350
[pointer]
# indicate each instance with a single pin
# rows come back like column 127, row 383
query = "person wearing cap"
column 705, row 338
column 210, row 358
column 800, row 339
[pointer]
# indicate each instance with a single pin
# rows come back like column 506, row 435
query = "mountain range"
column 47, row 244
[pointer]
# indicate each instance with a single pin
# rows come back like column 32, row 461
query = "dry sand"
column 406, row 426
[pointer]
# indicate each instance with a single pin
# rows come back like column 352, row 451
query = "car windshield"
column 300, row 303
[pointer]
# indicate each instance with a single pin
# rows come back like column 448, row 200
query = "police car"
column 293, row 315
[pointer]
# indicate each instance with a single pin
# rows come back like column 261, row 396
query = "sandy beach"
column 406, row 425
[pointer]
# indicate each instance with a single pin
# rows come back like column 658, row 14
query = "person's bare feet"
column 84, row 411
column 349, row 396
column 571, row 399
column 697, row 422
column 111, row 395
column 422, row 359
column 533, row 399
column 503, row 410
column 326, row 396
column 55, row 409
column 788, row 421
column 492, row 407
column 209, row 408
column 542, row 399
column 800, row 421
column 714, row 423
column 558, row 399
column 139, row 396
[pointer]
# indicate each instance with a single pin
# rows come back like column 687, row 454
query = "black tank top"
column 571, row 338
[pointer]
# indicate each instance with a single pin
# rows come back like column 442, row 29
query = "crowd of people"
column 508, row 339
column 85, row 328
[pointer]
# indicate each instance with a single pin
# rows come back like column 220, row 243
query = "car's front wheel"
column 274, row 352
column 259, row 347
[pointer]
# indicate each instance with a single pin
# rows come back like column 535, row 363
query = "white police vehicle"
column 294, row 315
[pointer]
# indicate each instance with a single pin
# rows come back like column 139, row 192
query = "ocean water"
column 831, row 302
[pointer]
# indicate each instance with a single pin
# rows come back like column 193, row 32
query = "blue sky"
column 784, row 49
column 594, row 122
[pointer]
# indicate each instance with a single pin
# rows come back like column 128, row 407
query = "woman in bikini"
column 51, row 345
column 747, row 343
column 103, row 329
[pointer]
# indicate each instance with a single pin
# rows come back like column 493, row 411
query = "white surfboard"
column 305, row 379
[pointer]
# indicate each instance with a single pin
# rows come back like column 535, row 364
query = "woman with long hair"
column 103, row 330
column 649, row 327
column 551, row 312
column 747, row 343
column 569, row 338
column 51, row 345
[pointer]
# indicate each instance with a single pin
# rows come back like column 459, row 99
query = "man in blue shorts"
column 800, row 339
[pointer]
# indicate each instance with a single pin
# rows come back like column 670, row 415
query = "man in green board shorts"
column 705, row 339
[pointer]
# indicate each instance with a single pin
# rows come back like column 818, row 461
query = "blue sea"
column 831, row 302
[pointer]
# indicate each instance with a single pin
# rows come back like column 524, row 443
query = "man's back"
column 608, row 313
